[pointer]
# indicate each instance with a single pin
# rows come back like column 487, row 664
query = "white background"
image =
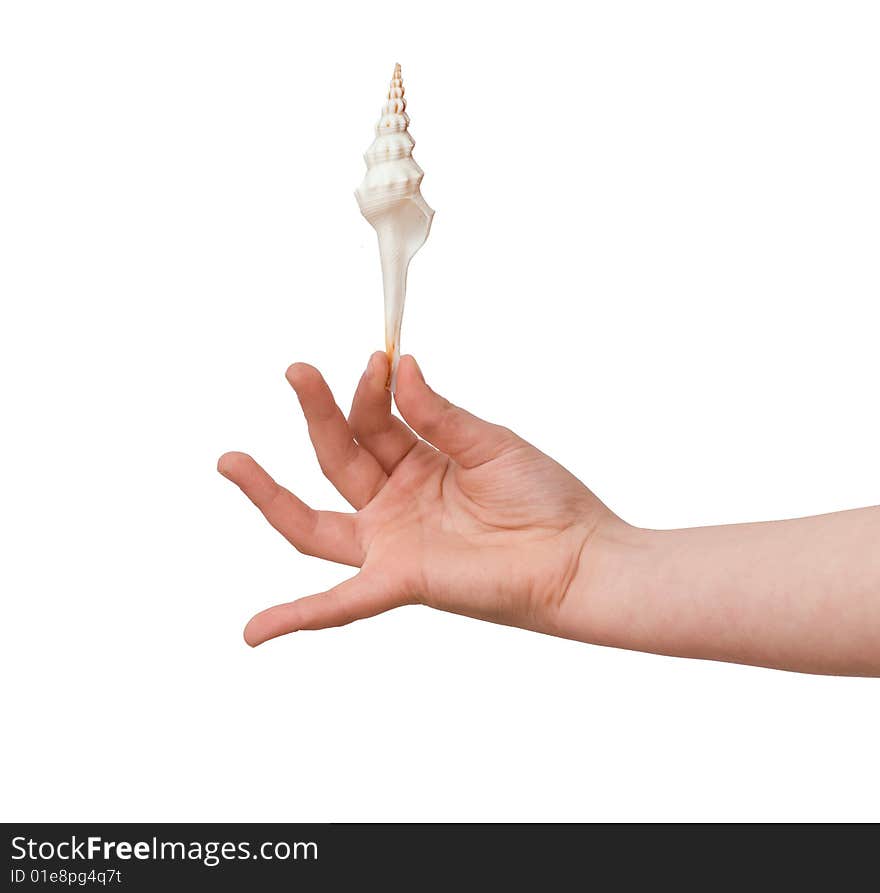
column 655, row 255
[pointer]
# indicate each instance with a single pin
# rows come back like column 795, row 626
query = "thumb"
column 364, row 595
column 468, row 440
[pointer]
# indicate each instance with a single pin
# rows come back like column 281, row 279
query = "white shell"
column 390, row 199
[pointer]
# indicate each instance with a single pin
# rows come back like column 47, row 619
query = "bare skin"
column 465, row 516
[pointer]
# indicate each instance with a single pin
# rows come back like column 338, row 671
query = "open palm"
column 470, row 519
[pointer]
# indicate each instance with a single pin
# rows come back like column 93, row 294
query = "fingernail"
column 292, row 377
column 415, row 363
column 372, row 370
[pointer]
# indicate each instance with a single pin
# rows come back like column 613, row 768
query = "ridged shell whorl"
column 394, row 117
column 392, row 173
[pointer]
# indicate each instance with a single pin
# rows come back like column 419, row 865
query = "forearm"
column 802, row 594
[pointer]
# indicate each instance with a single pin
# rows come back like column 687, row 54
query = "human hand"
column 451, row 511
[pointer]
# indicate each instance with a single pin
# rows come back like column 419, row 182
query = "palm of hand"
column 485, row 525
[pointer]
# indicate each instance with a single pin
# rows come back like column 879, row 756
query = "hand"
column 481, row 523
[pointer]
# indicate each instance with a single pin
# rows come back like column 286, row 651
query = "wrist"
column 603, row 605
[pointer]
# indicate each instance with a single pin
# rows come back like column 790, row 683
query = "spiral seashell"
column 391, row 200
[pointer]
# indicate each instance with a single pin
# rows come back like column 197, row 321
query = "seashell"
column 391, row 200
